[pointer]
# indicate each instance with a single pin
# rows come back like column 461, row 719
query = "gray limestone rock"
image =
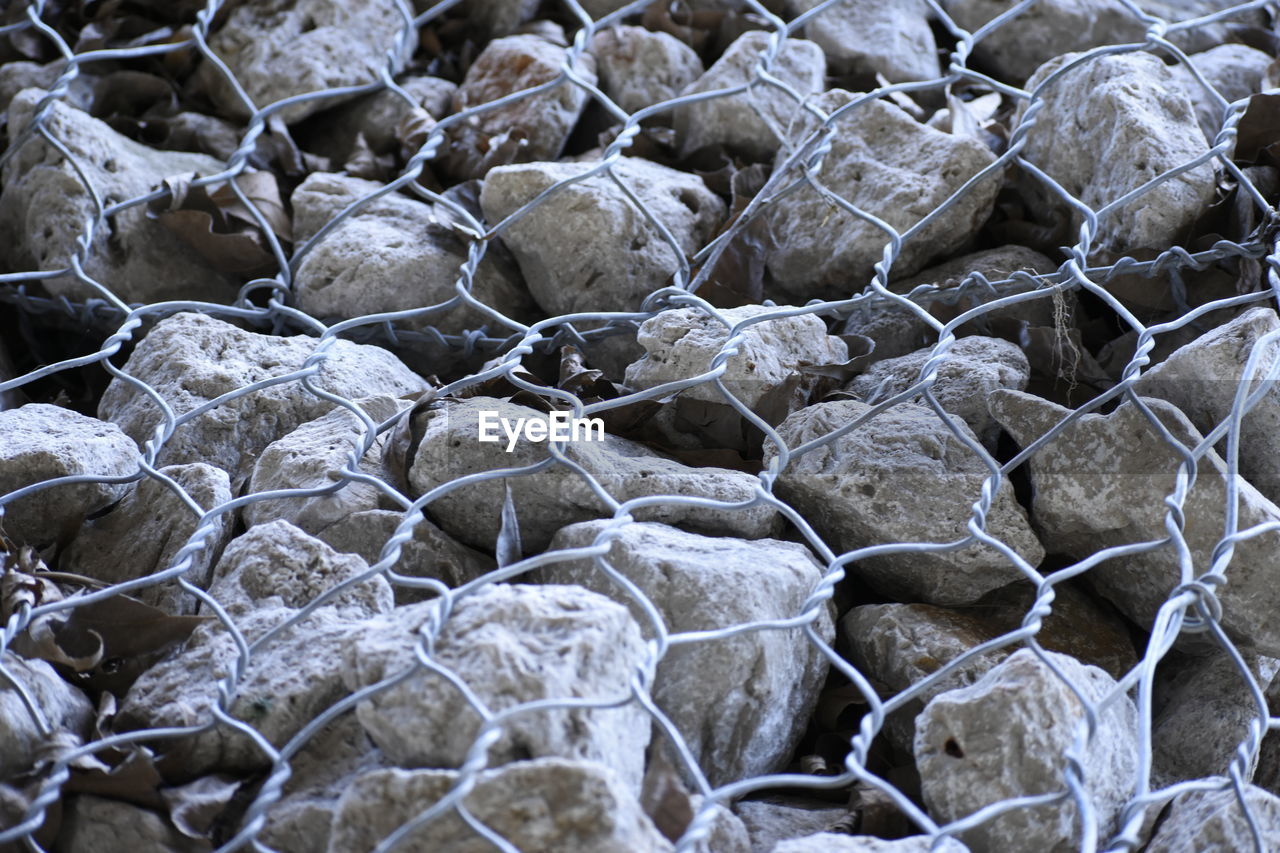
column 557, row 496
column 777, row 819
column 827, row 842
column 1235, row 71
column 113, row 826
column 1107, row 127
column 741, row 704
column 190, row 359
column 45, row 209
column 43, row 442
column 65, row 710
column 870, row 37
column 378, row 117
column 902, row 476
column 639, row 67
column 392, row 254
column 1214, row 820
column 511, row 645
column 1006, row 736
column 587, row 247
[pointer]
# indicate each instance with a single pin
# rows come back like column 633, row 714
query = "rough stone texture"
column 546, row 806
column 313, row 456
column 377, row 117
column 752, row 123
column 45, row 208
column 1202, row 378
column 534, row 127
column 902, row 476
column 190, row 359
column 291, row 47
column 886, row 163
column 1107, row 127
column 277, row 565
column 42, row 442
column 431, row 553
column 870, row 37
column 780, row 818
column 727, row 833
column 1214, row 820
column 741, row 704
column 588, row 247
column 1205, row 36
column 112, row 826
column 1005, row 737
column 827, row 842
column 901, row 644
column 1044, row 30
column 639, row 67
column 1234, row 70
column 287, row 683
column 1203, row 707
column 16, row 76
column 65, row 709
column 392, row 254
column 1102, row 482
column 557, row 496
column 148, row 527
column 974, row 367
column 511, row 645
column 766, row 372
column 501, row 17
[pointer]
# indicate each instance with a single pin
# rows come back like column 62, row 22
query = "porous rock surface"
column 293, row 47
column 587, row 247
column 42, row 442
column 45, row 208
column 639, row 67
column 1102, row 482
column 65, row 709
column 391, row 254
column 973, row 368
column 1214, row 820
column 534, row 127
column 901, row 476
column 510, row 645
column 1235, row 71
column 869, row 37
column 1107, row 127
column 752, row 123
column 740, row 705
column 190, row 359
column 886, row 163
column 541, row 806
column 1006, row 736
column 557, row 496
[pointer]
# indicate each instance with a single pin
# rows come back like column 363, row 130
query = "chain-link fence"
column 525, row 313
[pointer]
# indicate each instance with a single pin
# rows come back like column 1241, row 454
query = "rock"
column 1202, row 712
column 778, row 819
column 1202, row 378
column 885, row 163
column 392, row 254
column 726, row 833
column 1231, row 27
column 190, row 359
column 431, row 553
column 893, row 328
column 828, row 842
column 1102, row 482
column 16, row 76
column 1107, row 127
column 534, row 127
column 1006, row 736
column 511, row 645
column 557, row 496
column 766, row 374
column 550, row 805
column 902, row 476
column 502, row 17
column 44, row 442
column 1006, row 263
column 65, row 710
column 589, row 248
column 276, row 565
column 45, row 208
column 281, row 50
column 313, row 456
column 1234, row 70
column 974, row 367
column 639, row 68
column 1214, row 820
column 741, row 706
column 377, row 117
column 867, row 37
column 753, row 123
column 148, row 527
column 900, row 645
column 113, row 826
